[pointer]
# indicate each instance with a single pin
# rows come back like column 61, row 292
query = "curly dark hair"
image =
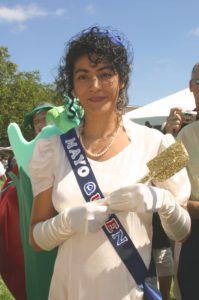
column 101, row 44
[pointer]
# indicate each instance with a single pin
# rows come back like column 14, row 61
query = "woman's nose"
column 95, row 83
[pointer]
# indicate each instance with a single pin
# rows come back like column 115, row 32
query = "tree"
column 19, row 92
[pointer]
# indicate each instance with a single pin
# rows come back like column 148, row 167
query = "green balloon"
column 62, row 118
column 22, row 148
column 38, row 265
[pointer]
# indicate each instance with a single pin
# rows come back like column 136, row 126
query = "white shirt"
column 189, row 135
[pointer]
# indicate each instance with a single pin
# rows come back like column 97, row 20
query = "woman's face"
column 97, row 86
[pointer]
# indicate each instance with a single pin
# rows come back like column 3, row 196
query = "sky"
column 164, row 36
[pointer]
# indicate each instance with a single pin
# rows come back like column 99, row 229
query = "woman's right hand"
column 87, row 218
column 84, row 219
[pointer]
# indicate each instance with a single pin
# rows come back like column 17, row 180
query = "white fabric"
column 84, row 219
column 143, row 199
column 176, row 223
column 189, row 135
column 2, row 169
column 87, row 266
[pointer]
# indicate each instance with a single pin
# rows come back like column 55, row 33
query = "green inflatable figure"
column 38, row 265
column 66, row 116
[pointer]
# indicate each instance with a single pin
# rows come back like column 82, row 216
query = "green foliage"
column 4, row 292
column 19, row 92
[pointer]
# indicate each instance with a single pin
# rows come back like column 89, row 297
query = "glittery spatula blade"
column 167, row 163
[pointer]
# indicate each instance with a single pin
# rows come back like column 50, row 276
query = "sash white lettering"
column 82, row 171
column 71, row 143
column 80, row 161
column 74, row 153
column 120, row 237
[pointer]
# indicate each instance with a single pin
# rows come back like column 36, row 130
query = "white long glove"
column 87, row 218
column 142, row 199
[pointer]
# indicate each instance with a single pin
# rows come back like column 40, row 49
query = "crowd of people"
column 111, row 231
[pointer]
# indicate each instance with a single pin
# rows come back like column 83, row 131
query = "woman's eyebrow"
column 81, row 70
column 98, row 70
column 105, row 68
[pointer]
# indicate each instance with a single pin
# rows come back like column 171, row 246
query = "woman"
column 96, row 70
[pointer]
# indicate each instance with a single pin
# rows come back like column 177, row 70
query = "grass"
column 4, row 292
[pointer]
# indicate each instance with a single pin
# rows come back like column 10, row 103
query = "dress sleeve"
column 42, row 165
column 179, row 184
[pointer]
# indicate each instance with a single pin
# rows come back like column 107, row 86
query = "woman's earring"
column 121, row 103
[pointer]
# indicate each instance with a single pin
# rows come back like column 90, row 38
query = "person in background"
column 36, row 119
column 2, row 172
column 96, row 69
column 188, row 261
column 12, row 266
column 176, row 119
column 188, row 254
column 188, row 266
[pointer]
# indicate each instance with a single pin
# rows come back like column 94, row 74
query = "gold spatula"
column 167, row 163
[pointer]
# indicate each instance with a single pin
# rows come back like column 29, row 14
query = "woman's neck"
column 100, row 126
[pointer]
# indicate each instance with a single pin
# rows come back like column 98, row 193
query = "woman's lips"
column 97, row 98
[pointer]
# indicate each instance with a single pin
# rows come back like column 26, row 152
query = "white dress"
column 87, row 266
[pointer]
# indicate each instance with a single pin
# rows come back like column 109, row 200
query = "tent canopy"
column 156, row 112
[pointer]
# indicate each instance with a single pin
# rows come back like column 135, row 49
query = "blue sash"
column 113, row 229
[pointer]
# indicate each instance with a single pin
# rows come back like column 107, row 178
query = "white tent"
column 156, row 112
